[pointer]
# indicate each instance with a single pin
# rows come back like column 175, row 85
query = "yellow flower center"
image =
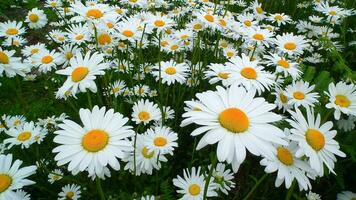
column 70, row 195
column 315, row 139
column 12, row 31
column 79, row 74
column 222, row 22
column 4, row 59
column 194, row 189
column 332, row 13
column 342, row 101
column 95, row 13
column 197, row 26
column 146, row 154
column 184, row 37
column 283, row 98
column 258, row 36
column 283, row 63
column 69, row 55
column 24, row 136
column 110, row 25
column 144, row 116
column 230, row 54
column 174, row 47
column 79, row 37
column 17, row 122
column 160, row 141
column 299, row 95
column 290, row 46
column 234, row 120
column 247, row 23
column 249, row 73
column 115, row 89
column 34, row 51
column 127, row 33
column 159, row 23
column 164, row 43
column 259, row 10
column 171, row 70
column 5, row 182
column 224, row 75
column 95, row 140
column 278, row 17
column 104, row 38
column 33, row 18
column 47, row 59
column 209, row 18
column 285, row 156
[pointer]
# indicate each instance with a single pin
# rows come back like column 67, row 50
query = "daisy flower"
column 346, row 195
column 223, row 178
column 342, row 97
column 300, row 94
column 68, row 51
column 291, row 44
column 230, row 118
column 12, row 177
column 117, row 88
column 78, row 33
column 217, row 72
column 249, row 74
column 284, row 65
column 313, row 196
column 280, row 18
column 208, row 19
column 161, row 139
column 16, row 41
column 192, row 184
column 55, row 175
column 23, row 135
column 247, row 20
column 281, row 99
column 146, row 160
column 145, row 111
column 259, row 36
column 332, row 12
column 99, row 143
column 70, row 191
column 82, row 72
column 11, row 65
column 230, row 52
column 11, row 29
column 128, row 30
column 315, row 140
column 33, row 49
column 159, row 22
column 48, row 60
column 15, row 121
column 141, row 90
column 36, row 18
column 171, row 72
column 288, row 167
column 96, row 13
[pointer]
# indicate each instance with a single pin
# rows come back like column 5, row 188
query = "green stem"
column 99, row 188
column 207, row 181
column 89, row 100
column 255, row 187
column 290, row 191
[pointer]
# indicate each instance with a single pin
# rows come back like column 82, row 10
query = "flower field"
column 180, row 99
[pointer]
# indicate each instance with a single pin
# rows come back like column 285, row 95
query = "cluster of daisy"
column 147, row 59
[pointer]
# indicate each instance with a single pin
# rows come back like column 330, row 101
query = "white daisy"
column 99, row 143
column 161, row 139
column 342, row 97
column 24, row 135
column 70, row 191
column 223, row 177
column 13, row 178
column 171, row 72
column 315, row 140
column 82, row 72
column 291, row 44
column 236, row 120
column 300, row 94
column 145, row 111
column 192, row 184
column 36, row 18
